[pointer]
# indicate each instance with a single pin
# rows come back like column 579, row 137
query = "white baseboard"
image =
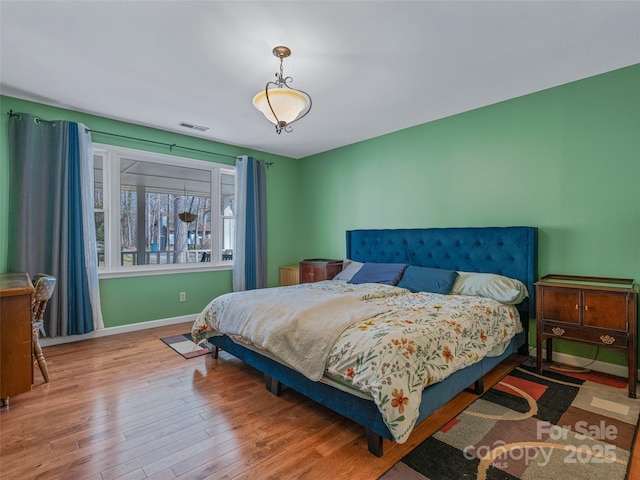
column 47, row 342
column 597, row 366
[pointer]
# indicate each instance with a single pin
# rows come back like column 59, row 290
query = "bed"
column 507, row 251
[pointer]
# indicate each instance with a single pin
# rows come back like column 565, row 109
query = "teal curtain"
column 51, row 221
column 250, row 255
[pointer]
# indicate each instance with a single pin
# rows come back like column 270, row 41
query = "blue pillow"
column 387, row 273
column 425, row 279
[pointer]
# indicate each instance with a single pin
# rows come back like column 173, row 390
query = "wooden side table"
column 289, row 275
column 593, row 310
column 16, row 367
column 318, row 269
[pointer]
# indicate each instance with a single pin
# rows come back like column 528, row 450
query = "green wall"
column 566, row 160
column 138, row 299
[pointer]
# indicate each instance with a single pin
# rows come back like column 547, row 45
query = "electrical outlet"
column 183, row 296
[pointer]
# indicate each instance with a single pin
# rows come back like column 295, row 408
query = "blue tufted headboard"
column 508, row 251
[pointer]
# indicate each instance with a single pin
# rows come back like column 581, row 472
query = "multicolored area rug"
column 530, row 426
column 183, row 344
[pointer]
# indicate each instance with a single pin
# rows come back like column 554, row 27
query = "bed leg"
column 374, row 443
column 478, row 386
column 273, row 385
column 215, row 351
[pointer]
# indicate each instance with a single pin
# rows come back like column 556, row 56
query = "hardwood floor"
column 129, row 407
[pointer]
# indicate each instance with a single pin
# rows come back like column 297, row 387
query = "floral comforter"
column 421, row 339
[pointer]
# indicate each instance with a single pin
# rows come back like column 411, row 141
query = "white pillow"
column 503, row 289
column 349, row 269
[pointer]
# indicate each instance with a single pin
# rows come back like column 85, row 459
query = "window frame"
column 111, row 156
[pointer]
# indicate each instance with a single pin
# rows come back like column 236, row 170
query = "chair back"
column 44, row 286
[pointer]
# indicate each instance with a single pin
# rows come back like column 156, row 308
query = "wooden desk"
column 16, row 368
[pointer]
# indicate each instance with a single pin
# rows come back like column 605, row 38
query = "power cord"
column 570, row 368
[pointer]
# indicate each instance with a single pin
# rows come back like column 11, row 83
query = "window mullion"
column 216, row 222
column 141, row 216
column 114, row 211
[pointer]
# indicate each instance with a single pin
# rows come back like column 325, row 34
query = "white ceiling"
column 370, row 67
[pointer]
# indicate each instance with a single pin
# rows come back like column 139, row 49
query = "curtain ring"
column 38, row 121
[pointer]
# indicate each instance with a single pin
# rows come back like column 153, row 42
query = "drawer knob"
column 606, row 339
column 586, row 307
column 558, row 331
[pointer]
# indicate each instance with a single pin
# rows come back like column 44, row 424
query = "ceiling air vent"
column 200, row 128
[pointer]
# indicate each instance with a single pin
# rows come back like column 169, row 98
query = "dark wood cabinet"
column 318, row 269
column 16, row 367
column 593, row 310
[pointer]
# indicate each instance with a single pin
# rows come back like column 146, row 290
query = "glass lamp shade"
column 287, row 103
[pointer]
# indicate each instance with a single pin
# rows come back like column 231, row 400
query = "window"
column 158, row 212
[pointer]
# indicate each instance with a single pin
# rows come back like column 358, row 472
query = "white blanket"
column 298, row 327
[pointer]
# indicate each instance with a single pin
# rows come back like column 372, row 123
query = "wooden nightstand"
column 289, row 275
column 318, row 269
column 593, row 310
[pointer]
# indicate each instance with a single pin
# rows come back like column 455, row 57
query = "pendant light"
column 281, row 104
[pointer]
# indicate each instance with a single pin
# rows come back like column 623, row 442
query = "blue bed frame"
column 509, row 251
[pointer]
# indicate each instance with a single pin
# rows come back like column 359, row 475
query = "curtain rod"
column 170, row 145
column 36, row 119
